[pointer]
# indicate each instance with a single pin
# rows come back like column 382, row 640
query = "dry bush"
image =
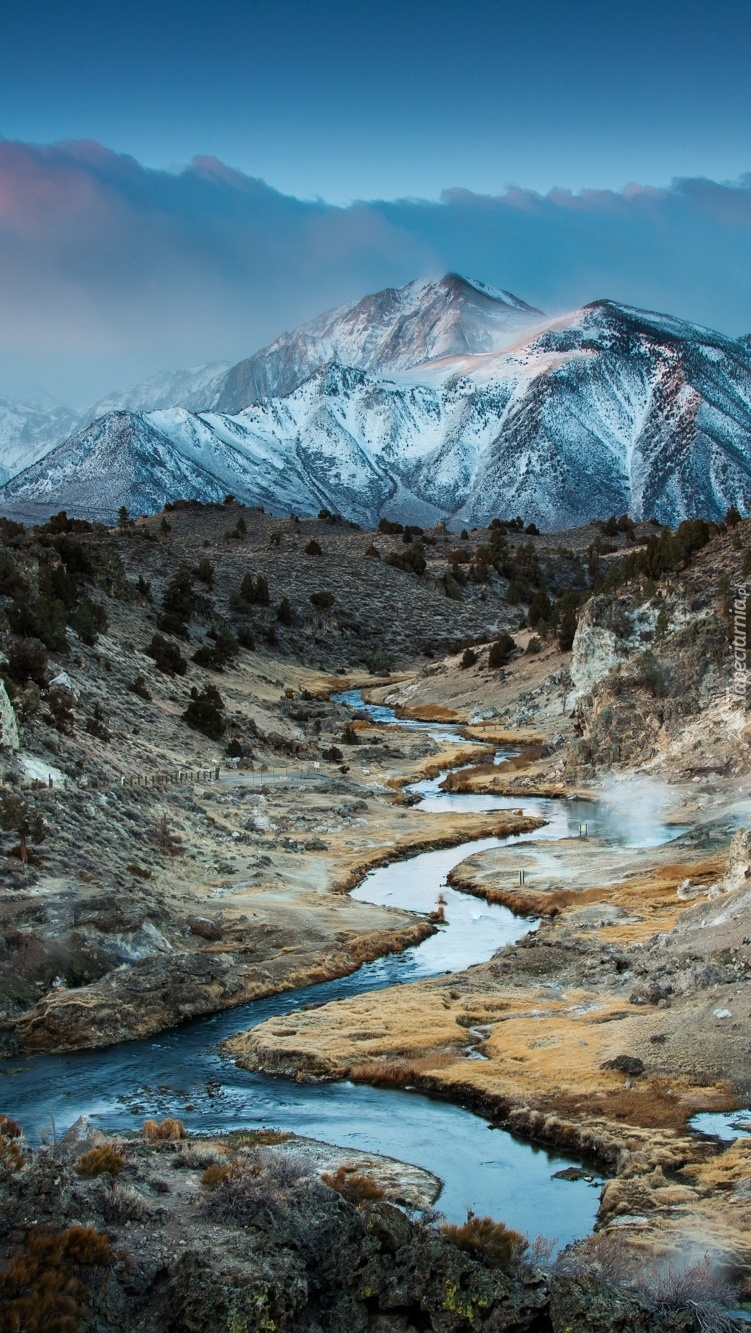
column 252, row 1138
column 11, row 1152
column 492, row 1242
column 123, row 1203
column 199, row 1156
column 353, row 1185
column 679, row 1283
column 170, row 1130
column 46, row 1283
column 97, row 1161
column 700, row 1286
column 283, row 1169
column 605, row 1255
column 242, row 1199
column 215, row 1175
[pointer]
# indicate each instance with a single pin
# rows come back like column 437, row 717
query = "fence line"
column 178, row 777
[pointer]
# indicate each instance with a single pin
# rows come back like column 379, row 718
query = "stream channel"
column 180, row 1072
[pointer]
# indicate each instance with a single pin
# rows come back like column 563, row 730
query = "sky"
column 180, row 182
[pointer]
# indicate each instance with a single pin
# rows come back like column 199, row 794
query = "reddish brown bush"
column 99, row 1161
column 493, row 1242
column 46, row 1283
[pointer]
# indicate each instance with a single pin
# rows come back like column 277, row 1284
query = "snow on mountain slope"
column 29, row 430
column 197, row 389
column 391, row 330
column 605, row 410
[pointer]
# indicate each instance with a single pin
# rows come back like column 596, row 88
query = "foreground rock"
column 247, row 1233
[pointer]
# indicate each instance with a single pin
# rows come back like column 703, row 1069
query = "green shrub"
column 139, row 687
column 468, row 658
column 167, row 656
column 44, row 619
column 322, row 601
column 89, row 620
column 204, row 572
column 501, row 650
column 26, row 662
column 567, row 630
column 313, row 548
column 205, row 711
column 412, row 560
column 284, row 614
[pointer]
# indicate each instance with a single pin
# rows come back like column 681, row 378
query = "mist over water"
column 636, row 809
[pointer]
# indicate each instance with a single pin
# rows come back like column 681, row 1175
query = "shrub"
column 373, row 552
column 98, row 1161
column 12, row 582
column 468, row 658
column 501, row 650
column 534, row 645
column 170, row 1130
column 45, row 1285
column 44, row 619
column 354, row 1186
column 732, row 516
column 219, row 652
column 252, row 592
column 204, row 712
column 350, row 736
column 26, row 662
column 491, row 1242
column 167, row 656
column 89, row 620
column 392, row 529
column 172, row 624
column 215, row 1175
column 313, row 548
column 284, row 614
column 19, row 817
column 412, row 560
column 567, row 630
column 204, row 572
column 139, row 687
column 322, row 601
column 143, row 587
column 60, row 710
column 245, row 637
column 179, row 596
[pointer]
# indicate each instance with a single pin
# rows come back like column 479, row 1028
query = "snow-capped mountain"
column 29, row 430
column 392, row 330
column 197, row 388
column 604, row 410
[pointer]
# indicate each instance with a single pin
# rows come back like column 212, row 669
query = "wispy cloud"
column 110, row 270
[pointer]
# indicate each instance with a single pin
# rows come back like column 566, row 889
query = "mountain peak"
column 395, row 329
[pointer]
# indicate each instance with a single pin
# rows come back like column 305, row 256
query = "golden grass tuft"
column 169, row 1130
column 215, row 1175
column 492, row 1242
column 354, row 1186
column 99, row 1162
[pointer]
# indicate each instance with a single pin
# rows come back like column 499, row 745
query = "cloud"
column 110, row 270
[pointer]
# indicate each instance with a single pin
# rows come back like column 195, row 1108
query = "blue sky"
column 119, row 262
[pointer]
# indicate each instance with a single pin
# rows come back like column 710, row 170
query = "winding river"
column 180, row 1072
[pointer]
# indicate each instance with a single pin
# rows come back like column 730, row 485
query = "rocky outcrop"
column 9, row 739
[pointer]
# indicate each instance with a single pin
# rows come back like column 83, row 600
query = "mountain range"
column 443, row 399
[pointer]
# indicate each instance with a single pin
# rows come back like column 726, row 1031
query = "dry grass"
column 398, row 1073
column 169, row 1130
column 354, row 1186
column 100, row 1161
column 46, row 1284
column 214, row 1175
column 492, row 1242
